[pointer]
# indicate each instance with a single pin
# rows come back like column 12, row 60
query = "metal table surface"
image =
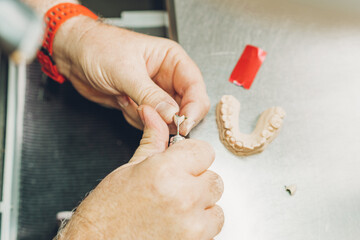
column 313, row 71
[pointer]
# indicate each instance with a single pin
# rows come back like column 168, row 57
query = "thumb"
column 155, row 137
column 147, row 92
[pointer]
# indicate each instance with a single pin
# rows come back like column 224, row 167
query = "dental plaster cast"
column 267, row 127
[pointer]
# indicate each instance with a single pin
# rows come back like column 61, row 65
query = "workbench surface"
column 312, row 70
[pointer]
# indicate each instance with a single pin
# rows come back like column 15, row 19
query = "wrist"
column 66, row 44
column 63, row 17
column 79, row 228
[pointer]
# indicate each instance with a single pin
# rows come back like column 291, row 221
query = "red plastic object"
column 54, row 17
column 247, row 67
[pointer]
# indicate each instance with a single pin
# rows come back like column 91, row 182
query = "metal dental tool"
column 178, row 121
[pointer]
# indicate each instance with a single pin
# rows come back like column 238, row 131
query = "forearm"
column 41, row 6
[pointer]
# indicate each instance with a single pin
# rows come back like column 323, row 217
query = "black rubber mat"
column 69, row 145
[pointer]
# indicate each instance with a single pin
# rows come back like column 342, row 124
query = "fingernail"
column 141, row 114
column 123, row 101
column 166, row 111
column 186, row 126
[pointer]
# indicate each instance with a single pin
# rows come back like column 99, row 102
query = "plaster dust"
column 291, row 189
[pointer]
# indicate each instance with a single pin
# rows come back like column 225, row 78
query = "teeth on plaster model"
column 267, row 127
column 238, row 144
column 228, row 133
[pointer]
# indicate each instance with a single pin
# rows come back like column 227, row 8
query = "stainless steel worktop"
column 313, row 71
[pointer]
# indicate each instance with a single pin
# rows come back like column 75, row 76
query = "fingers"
column 155, row 137
column 133, row 122
column 130, row 112
column 213, row 188
column 195, row 105
column 189, row 84
column 194, row 156
column 145, row 92
column 214, row 217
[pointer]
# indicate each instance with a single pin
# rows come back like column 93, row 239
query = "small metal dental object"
column 178, row 121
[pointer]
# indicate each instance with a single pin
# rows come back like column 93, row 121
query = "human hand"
column 163, row 193
column 124, row 69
